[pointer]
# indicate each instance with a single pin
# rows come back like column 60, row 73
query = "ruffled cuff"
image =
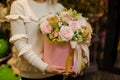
column 17, row 37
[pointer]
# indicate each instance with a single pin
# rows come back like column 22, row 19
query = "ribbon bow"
column 81, row 54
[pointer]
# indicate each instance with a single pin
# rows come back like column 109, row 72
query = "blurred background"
column 103, row 15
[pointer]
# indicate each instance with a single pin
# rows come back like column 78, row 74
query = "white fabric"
column 25, row 49
column 15, row 17
column 16, row 37
column 73, row 44
column 85, row 49
column 24, row 18
column 80, row 49
column 77, row 59
column 35, row 60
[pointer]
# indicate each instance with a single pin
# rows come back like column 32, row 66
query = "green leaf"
column 50, row 36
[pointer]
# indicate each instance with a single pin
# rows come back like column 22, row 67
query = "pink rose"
column 66, row 33
column 74, row 25
column 64, row 16
column 45, row 27
column 65, row 19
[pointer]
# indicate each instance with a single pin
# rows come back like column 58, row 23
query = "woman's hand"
column 55, row 70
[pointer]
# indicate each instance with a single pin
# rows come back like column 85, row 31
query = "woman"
column 24, row 17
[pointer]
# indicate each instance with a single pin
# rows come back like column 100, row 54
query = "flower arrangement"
column 65, row 26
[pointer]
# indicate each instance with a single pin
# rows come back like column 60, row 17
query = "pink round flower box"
column 56, row 54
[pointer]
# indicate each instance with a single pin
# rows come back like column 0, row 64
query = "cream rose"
column 66, row 33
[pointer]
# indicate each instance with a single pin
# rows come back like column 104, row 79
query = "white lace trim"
column 25, row 49
column 24, row 18
column 18, row 36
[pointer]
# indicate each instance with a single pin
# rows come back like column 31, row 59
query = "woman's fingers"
column 55, row 69
column 58, row 70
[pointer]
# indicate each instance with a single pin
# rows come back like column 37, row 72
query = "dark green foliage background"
column 93, row 9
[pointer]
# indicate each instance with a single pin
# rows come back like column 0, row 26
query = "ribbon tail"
column 77, row 59
column 85, row 49
column 68, row 62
